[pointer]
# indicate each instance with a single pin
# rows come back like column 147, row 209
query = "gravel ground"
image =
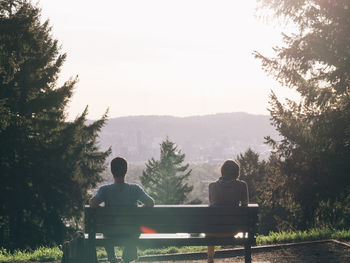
column 319, row 252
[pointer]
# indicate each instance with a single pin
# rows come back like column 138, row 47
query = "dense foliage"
column 314, row 154
column 47, row 164
column 165, row 179
column 266, row 185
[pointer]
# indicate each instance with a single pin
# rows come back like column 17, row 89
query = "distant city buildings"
column 138, row 149
column 211, row 138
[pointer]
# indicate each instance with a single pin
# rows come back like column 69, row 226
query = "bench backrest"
column 171, row 219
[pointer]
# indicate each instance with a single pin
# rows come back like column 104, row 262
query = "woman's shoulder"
column 213, row 183
column 242, row 183
column 232, row 183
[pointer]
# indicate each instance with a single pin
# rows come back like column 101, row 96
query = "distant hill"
column 201, row 138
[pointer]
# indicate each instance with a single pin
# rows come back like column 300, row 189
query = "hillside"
column 201, row 138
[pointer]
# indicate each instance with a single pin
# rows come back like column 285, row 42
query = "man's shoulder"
column 105, row 187
column 134, row 186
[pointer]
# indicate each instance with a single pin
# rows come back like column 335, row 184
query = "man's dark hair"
column 119, row 167
column 230, row 170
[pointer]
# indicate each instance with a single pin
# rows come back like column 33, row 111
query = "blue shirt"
column 121, row 194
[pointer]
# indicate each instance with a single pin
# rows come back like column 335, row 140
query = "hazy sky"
column 149, row 57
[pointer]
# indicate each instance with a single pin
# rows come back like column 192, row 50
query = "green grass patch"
column 101, row 253
column 54, row 254
column 298, row 236
column 40, row 254
column 171, row 250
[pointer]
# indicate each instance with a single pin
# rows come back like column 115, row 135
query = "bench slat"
column 169, row 220
column 174, row 211
column 167, row 242
column 127, row 229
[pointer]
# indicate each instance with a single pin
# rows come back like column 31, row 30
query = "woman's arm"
column 210, row 194
column 245, row 195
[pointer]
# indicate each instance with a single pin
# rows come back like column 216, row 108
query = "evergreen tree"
column 315, row 61
column 266, row 186
column 165, row 179
column 47, row 163
column 252, row 171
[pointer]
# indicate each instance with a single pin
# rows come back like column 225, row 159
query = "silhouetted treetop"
column 47, row 163
column 315, row 61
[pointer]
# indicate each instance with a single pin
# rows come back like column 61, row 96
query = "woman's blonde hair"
column 230, row 170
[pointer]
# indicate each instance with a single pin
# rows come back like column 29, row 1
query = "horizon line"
column 183, row 117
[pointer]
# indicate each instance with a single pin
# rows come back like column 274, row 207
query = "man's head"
column 119, row 167
column 230, row 170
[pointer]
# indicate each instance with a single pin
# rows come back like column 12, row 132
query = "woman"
column 228, row 190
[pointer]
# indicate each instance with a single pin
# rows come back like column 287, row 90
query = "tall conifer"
column 165, row 179
column 315, row 61
column 47, row 163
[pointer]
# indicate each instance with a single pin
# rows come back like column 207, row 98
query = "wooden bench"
column 165, row 221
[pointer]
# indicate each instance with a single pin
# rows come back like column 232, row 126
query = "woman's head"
column 230, row 170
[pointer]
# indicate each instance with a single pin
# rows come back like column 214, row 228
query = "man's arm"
column 143, row 197
column 98, row 198
column 149, row 202
column 94, row 202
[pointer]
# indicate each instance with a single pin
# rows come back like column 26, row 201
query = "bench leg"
column 247, row 253
column 91, row 251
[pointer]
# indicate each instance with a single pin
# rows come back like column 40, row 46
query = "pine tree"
column 165, row 179
column 252, row 171
column 47, row 163
column 315, row 61
column 266, row 186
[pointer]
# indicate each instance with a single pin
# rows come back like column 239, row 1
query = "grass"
column 53, row 254
column 40, row 254
column 101, row 253
column 297, row 236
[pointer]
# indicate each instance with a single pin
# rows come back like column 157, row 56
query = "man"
column 121, row 193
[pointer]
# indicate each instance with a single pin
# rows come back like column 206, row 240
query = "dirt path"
column 321, row 252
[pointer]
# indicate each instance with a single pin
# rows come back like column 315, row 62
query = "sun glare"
column 149, row 57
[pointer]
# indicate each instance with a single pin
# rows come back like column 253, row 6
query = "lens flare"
column 147, row 230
